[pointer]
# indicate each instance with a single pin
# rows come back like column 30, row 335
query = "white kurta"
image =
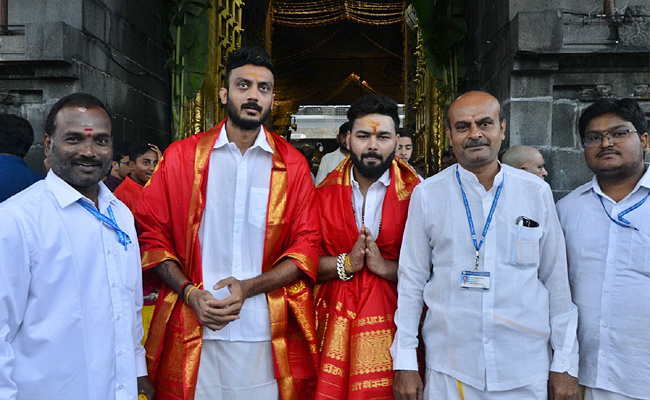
column 368, row 211
column 70, row 298
column 232, row 230
column 501, row 338
column 609, row 273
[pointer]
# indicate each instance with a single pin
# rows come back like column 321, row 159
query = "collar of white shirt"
column 469, row 177
column 643, row 182
column 66, row 194
column 384, row 179
column 261, row 141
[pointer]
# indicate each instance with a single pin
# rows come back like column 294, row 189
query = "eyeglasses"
column 593, row 139
column 123, row 163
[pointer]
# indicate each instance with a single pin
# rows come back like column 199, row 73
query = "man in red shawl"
column 364, row 202
column 229, row 222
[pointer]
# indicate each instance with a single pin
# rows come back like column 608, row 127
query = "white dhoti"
column 236, row 371
column 441, row 386
column 599, row 394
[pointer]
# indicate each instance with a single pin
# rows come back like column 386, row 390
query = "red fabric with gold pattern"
column 354, row 319
column 169, row 215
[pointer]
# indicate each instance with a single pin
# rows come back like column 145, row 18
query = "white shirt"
column 234, row 224
column 609, row 273
column 70, row 297
column 328, row 163
column 497, row 339
column 368, row 211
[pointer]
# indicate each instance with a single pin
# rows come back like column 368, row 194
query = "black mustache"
column 475, row 142
column 374, row 155
column 253, row 105
column 86, row 160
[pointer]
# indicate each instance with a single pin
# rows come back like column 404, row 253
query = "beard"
column 242, row 123
column 65, row 169
column 371, row 171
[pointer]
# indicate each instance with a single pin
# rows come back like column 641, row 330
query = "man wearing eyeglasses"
column 607, row 227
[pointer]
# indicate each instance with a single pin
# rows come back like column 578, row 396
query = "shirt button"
column 564, row 363
column 118, row 318
column 611, row 261
column 606, row 290
column 239, row 203
column 486, row 341
column 119, row 353
column 121, row 387
column 605, row 325
column 487, row 314
column 108, row 251
column 113, row 284
column 603, row 354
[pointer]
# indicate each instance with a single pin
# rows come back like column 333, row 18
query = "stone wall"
column 112, row 49
column 549, row 60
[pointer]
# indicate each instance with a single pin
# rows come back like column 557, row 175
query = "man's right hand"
column 210, row 316
column 358, row 253
column 408, row 386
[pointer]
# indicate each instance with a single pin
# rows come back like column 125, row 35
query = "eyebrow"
column 378, row 133
column 249, row 81
column 613, row 128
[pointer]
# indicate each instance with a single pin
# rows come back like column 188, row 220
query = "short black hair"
column 344, row 128
column 137, row 150
column 16, row 135
column 627, row 109
column 254, row 55
column 502, row 115
column 405, row 132
column 121, row 150
column 73, row 100
column 373, row 104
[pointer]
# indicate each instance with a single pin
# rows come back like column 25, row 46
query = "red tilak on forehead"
column 88, row 129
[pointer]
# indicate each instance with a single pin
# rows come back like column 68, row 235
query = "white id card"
column 475, row 280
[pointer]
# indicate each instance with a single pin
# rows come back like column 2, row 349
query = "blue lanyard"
column 622, row 221
column 110, row 221
column 477, row 245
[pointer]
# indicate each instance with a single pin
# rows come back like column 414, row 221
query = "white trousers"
column 440, row 386
column 236, row 371
column 599, row 394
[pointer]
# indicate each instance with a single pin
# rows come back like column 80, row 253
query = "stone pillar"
column 547, row 61
column 112, row 49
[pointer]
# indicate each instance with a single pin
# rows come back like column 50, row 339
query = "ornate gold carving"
column 370, row 352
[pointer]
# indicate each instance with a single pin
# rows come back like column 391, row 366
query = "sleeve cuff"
column 565, row 362
column 405, row 359
column 140, row 365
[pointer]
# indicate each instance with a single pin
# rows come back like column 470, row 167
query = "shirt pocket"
column 257, row 207
column 523, row 245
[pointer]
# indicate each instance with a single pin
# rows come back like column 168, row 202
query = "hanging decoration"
column 325, row 12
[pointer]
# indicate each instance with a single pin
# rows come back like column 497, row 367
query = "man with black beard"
column 229, row 221
column 364, row 204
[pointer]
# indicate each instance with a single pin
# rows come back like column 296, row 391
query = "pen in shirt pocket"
column 527, row 222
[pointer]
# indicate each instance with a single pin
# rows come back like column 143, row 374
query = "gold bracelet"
column 187, row 295
column 347, row 264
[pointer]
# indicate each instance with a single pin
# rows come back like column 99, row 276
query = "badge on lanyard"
column 475, row 280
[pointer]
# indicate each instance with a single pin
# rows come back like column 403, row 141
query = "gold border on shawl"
column 157, row 327
column 153, row 258
column 404, row 177
column 277, row 304
column 203, row 149
column 342, row 177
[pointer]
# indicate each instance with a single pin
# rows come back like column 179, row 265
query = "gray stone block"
column 530, row 122
column 565, row 124
column 568, row 169
column 538, row 31
column 531, row 85
column 94, row 18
